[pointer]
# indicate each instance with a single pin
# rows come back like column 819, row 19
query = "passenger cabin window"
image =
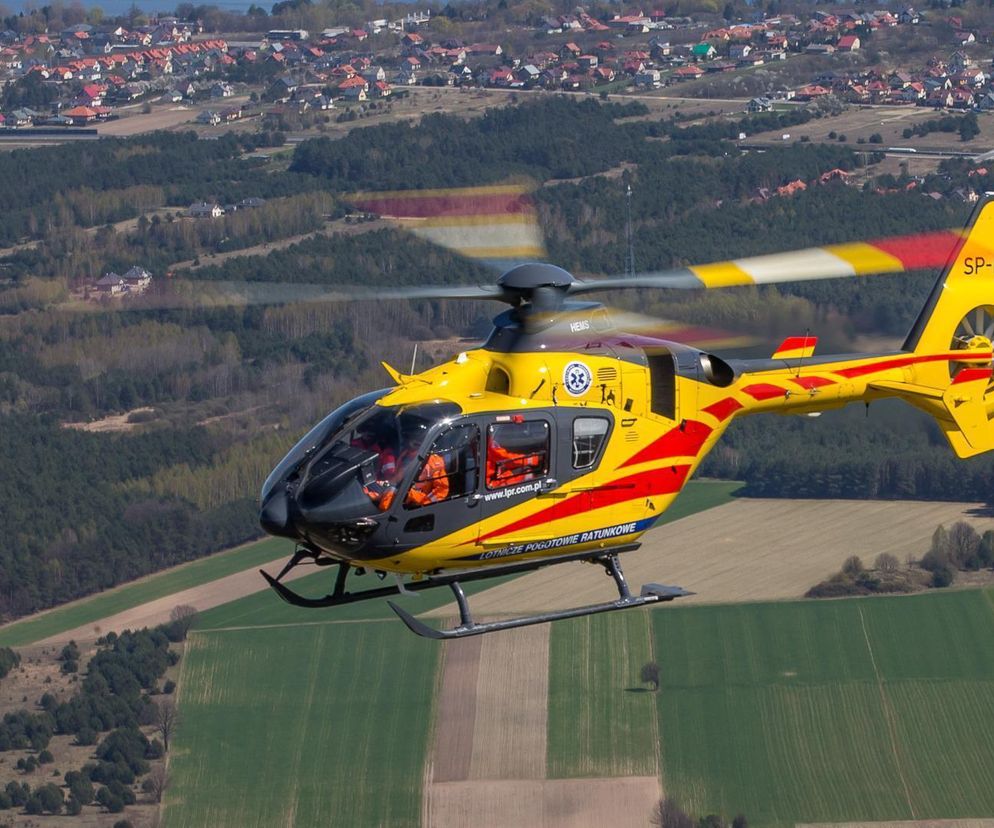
column 450, row 469
column 517, row 452
column 588, row 437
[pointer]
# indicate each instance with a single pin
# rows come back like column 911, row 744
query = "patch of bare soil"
column 113, row 422
column 512, row 696
column 747, row 550
column 625, row 802
column 453, row 743
column 202, row 597
column 37, row 674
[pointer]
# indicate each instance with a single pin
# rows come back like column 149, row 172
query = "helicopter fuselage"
column 566, row 439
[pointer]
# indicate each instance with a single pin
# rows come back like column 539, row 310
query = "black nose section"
column 274, row 516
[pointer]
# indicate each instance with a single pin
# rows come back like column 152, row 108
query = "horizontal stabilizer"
column 796, row 347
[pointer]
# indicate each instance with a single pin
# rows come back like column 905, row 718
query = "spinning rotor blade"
column 896, row 254
column 497, row 225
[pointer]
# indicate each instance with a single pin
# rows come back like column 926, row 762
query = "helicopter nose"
column 274, row 516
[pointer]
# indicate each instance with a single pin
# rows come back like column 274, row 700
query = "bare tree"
column 182, row 618
column 886, row 562
column 650, row 674
column 167, row 719
column 156, row 782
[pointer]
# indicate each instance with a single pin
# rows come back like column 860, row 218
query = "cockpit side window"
column 450, row 469
column 314, row 438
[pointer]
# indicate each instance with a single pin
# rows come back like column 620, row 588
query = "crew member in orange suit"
column 506, row 467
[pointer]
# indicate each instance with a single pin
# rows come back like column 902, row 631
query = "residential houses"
column 98, row 69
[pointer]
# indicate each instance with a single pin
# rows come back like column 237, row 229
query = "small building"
column 137, row 280
column 703, row 51
column 759, row 105
column 204, row 210
column 110, row 284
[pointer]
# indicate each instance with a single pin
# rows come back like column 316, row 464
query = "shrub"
column 942, row 577
column 853, row 566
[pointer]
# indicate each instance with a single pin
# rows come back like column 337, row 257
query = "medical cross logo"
column 577, row 378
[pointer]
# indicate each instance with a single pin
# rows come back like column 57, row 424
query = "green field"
column 318, row 725
column 602, row 720
column 697, row 496
column 98, row 607
column 850, row 710
column 835, row 711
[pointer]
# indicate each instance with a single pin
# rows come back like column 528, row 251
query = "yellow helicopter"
column 563, row 438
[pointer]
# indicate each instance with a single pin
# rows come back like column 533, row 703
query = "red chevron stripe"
column 901, row 362
column 683, row 441
column 723, row 409
column 764, row 391
column 812, row 382
column 644, row 484
column 971, row 374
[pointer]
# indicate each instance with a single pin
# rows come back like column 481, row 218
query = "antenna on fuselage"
column 629, row 234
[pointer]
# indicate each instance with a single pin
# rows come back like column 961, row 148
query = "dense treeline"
column 381, row 257
column 557, row 138
column 160, row 243
column 174, row 168
column 72, row 529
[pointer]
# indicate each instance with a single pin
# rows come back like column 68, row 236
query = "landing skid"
column 608, row 558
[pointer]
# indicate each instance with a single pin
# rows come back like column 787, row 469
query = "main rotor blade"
column 496, row 225
column 896, row 254
column 192, row 293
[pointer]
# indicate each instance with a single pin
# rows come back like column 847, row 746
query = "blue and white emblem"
column 577, row 378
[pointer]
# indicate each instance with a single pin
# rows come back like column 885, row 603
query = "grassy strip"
column 95, row 608
column 321, row 725
column 699, row 495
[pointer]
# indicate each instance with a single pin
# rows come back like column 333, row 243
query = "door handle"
column 548, row 485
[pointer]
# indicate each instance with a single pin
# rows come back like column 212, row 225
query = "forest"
column 137, row 439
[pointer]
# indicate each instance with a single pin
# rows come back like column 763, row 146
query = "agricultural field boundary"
column 98, row 609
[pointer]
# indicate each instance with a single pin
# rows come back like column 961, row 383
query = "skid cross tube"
column 340, row 596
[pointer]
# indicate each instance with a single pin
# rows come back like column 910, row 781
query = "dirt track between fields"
column 626, row 802
column 747, row 550
column 488, row 759
column 202, row 597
